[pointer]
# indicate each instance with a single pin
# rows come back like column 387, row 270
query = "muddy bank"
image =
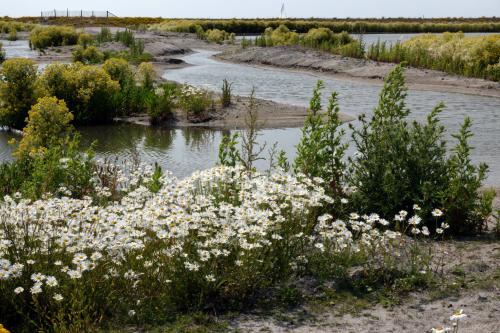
column 270, row 115
column 299, row 58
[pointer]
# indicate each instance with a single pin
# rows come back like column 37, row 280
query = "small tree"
column 226, row 93
column 48, row 125
column 17, row 91
column 466, row 209
column 250, row 148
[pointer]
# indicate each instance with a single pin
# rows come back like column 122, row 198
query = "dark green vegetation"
column 2, row 53
column 401, row 163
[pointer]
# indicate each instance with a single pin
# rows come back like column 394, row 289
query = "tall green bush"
column 17, row 91
column 321, row 150
column 466, row 208
column 399, row 164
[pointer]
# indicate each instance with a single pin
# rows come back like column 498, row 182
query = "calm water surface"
column 185, row 150
column 18, row 49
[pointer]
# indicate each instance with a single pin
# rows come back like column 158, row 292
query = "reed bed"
column 449, row 52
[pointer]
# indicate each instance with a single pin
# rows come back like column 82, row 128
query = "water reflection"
column 355, row 98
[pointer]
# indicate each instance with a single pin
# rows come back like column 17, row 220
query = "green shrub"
column 7, row 26
column 126, row 37
column 60, row 170
column 88, row 90
column 43, row 37
column 218, row 36
column 399, row 164
column 17, row 91
column 88, row 55
column 279, row 36
column 160, row 103
column 119, row 70
column 321, row 150
column 12, row 34
column 226, row 93
column 2, row 54
column 48, row 125
column 467, row 210
column 194, row 102
column 104, row 36
column 492, row 72
column 146, row 75
column 318, row 38
column 85, row 39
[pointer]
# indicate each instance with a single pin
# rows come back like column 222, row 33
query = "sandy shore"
column 299, row 58
column 270, row 115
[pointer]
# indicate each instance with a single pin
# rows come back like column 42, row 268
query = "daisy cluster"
column 221, row 231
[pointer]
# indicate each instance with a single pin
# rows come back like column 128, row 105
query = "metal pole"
column 55, row 13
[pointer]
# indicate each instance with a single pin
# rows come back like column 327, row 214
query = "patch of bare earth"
column 471, row 282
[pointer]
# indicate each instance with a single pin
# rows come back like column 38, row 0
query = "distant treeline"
column 258, row 26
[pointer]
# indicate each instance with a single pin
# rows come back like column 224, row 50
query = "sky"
column 262, row 8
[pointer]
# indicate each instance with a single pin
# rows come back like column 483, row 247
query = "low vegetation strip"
column 253, row 26
column 449, row 52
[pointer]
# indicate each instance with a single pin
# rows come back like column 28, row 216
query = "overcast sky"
column 262, row 8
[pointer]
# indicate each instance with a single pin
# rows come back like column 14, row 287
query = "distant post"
column 55, row 13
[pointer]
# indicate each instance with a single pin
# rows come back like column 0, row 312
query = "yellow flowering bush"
column 48, row 125
column 17, row 91
column 43, row 37
column 450, row 52
column 87, row 90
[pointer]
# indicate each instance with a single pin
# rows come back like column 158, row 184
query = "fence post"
column 55, row 13
column 107, row 14
column 67, row 12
